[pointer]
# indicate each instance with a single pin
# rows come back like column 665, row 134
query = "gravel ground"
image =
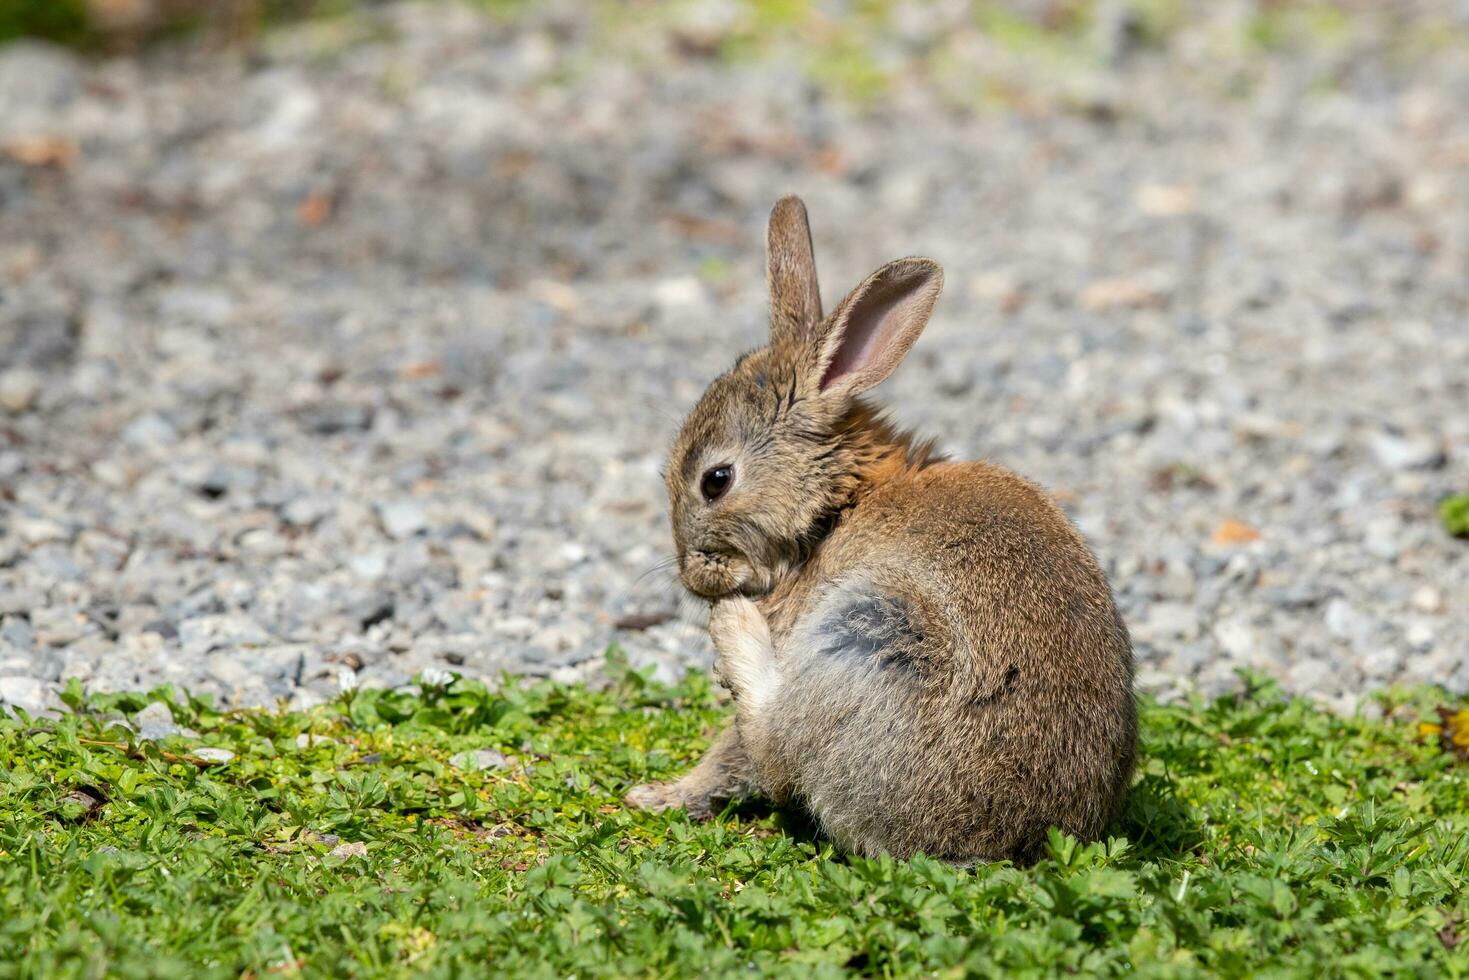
column 361, row 354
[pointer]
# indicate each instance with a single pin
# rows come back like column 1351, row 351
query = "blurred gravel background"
column 357, row 347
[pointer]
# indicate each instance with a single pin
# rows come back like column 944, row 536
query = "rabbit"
column 924, row 654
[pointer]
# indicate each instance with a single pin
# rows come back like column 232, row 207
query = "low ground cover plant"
column 462, row 830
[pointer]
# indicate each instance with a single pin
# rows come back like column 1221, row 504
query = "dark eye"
column 715, row 481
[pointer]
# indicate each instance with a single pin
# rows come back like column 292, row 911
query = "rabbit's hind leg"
column 723, row 774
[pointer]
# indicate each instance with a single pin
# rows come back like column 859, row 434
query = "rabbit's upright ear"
column 795, row 300
column 874, row 327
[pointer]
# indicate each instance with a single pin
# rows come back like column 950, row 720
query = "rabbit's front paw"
column 736, row 621
column 746, row 660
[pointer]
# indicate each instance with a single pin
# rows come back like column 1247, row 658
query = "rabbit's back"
column 958, row 679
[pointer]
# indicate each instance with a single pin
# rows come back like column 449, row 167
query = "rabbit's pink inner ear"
column 879, row 322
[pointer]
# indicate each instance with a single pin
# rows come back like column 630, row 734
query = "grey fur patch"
column 869, row 627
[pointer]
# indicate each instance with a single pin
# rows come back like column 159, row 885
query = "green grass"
column 1453, row 511
column 1263, row 837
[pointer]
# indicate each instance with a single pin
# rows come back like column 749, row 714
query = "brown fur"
column 923, row 653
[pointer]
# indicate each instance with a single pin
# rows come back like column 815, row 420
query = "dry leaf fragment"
column 1165, row 200
column 1111, row 294
column 830, row 160
column 416, row 370
column 314, row 211
column 513, row 163
column 1232, row 532
column 42, row 151
column 557, row 295
column 697, row 228
column 642, row 620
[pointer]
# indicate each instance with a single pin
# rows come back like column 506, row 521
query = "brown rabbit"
column 924, row 654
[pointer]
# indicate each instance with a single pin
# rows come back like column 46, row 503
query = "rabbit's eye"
column 715, row 481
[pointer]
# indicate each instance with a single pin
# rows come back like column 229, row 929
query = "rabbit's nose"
column 712, row 573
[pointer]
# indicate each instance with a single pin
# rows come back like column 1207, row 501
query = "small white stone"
column 19, row 387
column 1237, row 637
column 1310, row 676
column 1420, row 636
column 402, row 518
column 370, row 566
column 307, row 740
column 1428, row 599
column 1405, row 452
column 1345, row 621
column 213, row 755
column 25, row 692
column 39, row 530
column 150, row 431
column 679, row 293
column 155, row 722
column 1382, row 664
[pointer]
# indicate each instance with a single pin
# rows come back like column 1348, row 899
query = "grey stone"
column 350, row 849
column 150, row 431
column 1398, row 452
column 57, row 626
column 402, row 518
column 477, row 760
column 154, row 722
column 36, row 78
column 18, row 389
column 1349, row 623
column 25, row 692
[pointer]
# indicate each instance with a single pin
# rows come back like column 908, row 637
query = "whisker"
column 663, row 564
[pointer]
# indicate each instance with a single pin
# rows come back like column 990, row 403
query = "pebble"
column 1345, row 621
column 23, row 692
column 18, row 389
column 402, row 518
column 56, row 626
column 1427, row 598
column 155, row 722
column 478, row 760
column 35, row 78
column 1398, row 452
column 1310, row 676
column 212, row 755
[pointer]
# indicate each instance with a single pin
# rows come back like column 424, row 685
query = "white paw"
column 735, row 621
column 746, row 661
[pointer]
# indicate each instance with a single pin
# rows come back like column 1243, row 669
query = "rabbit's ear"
column 795, row 300
column 873, row 328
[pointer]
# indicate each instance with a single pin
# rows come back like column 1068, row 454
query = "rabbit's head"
column 777, row 445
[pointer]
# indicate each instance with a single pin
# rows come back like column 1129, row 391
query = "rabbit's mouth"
column 714, row 574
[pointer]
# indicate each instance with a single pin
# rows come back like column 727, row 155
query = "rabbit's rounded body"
column 923, row 653
column 952, row 676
